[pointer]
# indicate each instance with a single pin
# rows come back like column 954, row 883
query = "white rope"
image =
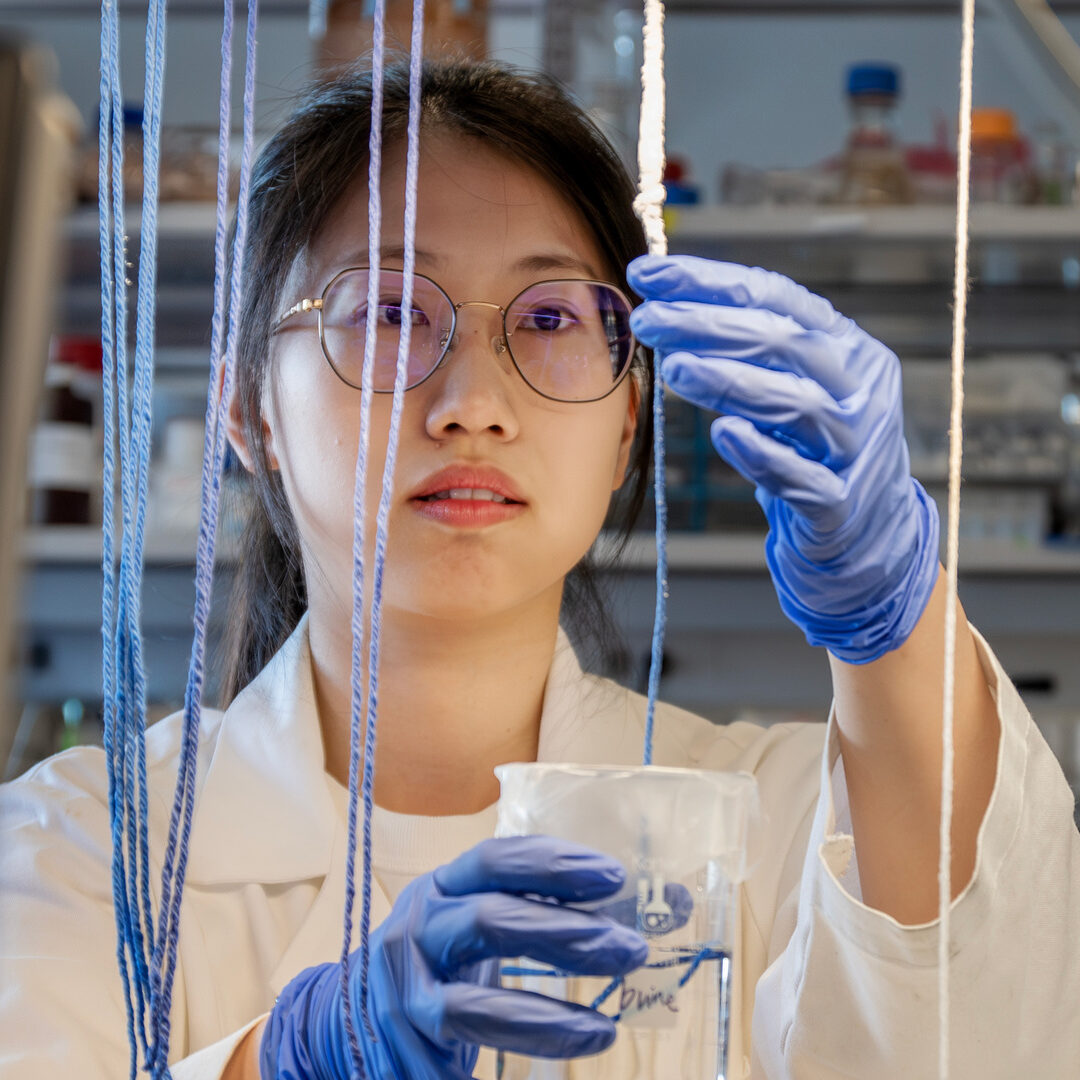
column 952, row 551
column 649, row 203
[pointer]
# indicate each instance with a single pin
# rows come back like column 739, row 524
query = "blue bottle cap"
column 873, row 79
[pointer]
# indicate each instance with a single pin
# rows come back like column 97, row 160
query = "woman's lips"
column 467, row 512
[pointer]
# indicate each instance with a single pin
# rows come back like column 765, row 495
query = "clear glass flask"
column 682, row 837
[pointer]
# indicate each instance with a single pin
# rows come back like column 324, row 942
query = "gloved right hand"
column 433, row 983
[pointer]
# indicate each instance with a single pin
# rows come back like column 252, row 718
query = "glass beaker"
column 682, row 837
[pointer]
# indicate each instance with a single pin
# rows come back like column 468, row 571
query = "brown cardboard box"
column 447, row 29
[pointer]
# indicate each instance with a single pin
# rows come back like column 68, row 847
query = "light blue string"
column 109, row 149
column 656, row 658
column 222, row 368
column 147, row 967
column 381, row 529
column 123, row 671
column 359, row 545
column 138, row 843
column 128, row 869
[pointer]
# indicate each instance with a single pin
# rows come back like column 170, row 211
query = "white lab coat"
column 824, row 986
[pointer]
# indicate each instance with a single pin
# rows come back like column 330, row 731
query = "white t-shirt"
column 404, row 846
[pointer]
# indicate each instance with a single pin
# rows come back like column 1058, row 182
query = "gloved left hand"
column 433, row 991
column 813, row 417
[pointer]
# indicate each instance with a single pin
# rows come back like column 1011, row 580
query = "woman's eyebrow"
column 387, row 253
column 555, row 260
column 538, row 263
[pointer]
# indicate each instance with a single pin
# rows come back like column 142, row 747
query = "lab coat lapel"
column 319, row 937
column 264, row 813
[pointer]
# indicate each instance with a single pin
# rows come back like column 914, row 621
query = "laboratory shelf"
column 901, row 224
column 179, row 219
column 728, row 644
column 80, row 545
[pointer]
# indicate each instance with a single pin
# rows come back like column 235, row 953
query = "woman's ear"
column 629, row 430
column 237, row 435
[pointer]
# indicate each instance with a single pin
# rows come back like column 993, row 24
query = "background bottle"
column 873, row 168
column 64, row 455
column 1000, row 159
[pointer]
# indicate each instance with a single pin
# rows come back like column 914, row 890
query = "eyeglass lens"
column 570, row 340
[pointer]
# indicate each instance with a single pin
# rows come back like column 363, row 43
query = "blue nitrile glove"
column 812, row 417
column 433, row 984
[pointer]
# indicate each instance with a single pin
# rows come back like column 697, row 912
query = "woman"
column 509, row 457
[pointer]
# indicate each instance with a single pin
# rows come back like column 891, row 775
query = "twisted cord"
column 648, row 205
column 383, row 515
column 952, row 545
column 357, row 707
column 218, row 395
column 139, row 843
column 110, row 236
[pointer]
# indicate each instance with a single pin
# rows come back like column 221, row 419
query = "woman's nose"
column 472, row 389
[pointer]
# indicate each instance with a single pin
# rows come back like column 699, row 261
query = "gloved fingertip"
column 645, row 270
column 672, row 370
column 626, row 950
column 597, row 1040
column 726, row 429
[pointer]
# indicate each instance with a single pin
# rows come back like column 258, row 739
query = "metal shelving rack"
column 727, row 638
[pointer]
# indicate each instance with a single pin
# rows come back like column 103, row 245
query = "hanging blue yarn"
column 367, row 710
column 656, row 658
column 360, row 537
column 131, row 592
column 147, row 962
column 127, row 429
column 113, row 301
column 221, row 378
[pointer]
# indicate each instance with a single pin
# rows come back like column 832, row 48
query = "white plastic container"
column 682, row 836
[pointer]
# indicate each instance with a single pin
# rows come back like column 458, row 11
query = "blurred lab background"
column 813, row 138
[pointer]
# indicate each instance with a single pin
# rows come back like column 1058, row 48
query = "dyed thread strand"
column 412, row 159
column 357, row 685
column 109, row 102
column 142, row 418
column 124, row 757
column 952, row 549
column 648, row 205
column 214, row 451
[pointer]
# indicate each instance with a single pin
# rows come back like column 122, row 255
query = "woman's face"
column 486, row 229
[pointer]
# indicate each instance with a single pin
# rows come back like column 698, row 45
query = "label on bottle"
column 62, row 456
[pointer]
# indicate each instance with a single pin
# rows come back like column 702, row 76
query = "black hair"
column 300, row 177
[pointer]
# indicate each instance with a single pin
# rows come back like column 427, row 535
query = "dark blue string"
column 379, row 560
column 360, row 540
column 147, row 963
column 110, row 150
column 123, row 672
column 656, row 658
column 132, row 566
column 117, row 675
column 219, row 392
column 693, row 962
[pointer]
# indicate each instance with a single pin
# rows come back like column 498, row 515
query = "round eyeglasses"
column 569, row 339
